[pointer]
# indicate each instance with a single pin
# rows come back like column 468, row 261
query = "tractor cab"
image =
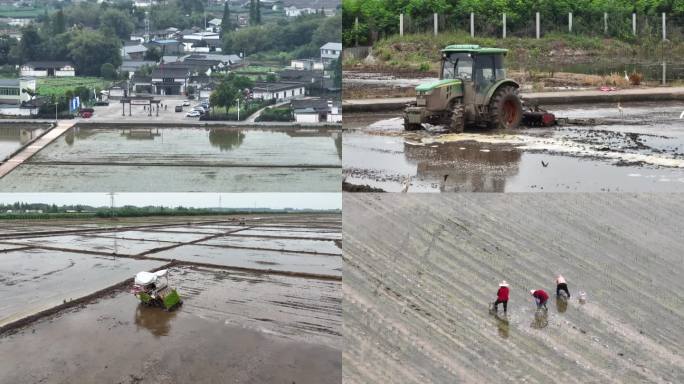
column 479, row 68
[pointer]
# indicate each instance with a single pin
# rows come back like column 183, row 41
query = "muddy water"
column 35, row 280
column 151, row 235
column 14, row 136
column 323, row 235
column 138, row 178
column 291, row 245
column 639, row 150
column 210, row 339
column 425, row 318
column 93, row 244
column 194, row 145
column 255, row 259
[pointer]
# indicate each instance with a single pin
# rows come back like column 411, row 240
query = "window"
column 7, row 91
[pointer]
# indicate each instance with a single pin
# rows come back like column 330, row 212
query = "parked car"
column 193, row 113
column 186, row 103
column 179, row 108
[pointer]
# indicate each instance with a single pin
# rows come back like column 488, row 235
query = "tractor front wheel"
column 505, row 109
column 411, row 126
column 457, row 123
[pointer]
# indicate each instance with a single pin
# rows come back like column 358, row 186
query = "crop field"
column 276, row 300
column 48, row 86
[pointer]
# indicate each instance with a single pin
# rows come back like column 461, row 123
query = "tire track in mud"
column 425, row 318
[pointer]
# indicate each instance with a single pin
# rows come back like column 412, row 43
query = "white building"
column 278, row 91
column 306, row 65
column 48, row 68
column 316, row 111
column 13, row 94
column 330, row 52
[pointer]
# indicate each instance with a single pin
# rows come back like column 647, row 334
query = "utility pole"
column 238, row 110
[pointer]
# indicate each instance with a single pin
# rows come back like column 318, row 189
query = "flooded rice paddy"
column 638, row 150
column 14, row 136
column 243, row 326
column 88, row 159
column 421, row 271
column 278, row 311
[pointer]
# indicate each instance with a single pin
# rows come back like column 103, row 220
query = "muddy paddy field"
column 255, row 308
column 640, row 149
column 421, row 270
column 146, row 158
column 14, row 136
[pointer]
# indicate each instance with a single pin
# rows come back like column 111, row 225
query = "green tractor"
column 472, row 90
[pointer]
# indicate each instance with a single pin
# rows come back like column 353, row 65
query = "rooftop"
column 279, row 86
column 473, row 48
column 333, row 46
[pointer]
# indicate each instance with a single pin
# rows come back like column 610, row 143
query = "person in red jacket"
column 540, row 297
column 502, row 296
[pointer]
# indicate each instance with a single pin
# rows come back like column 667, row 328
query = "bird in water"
column 620, row 109
column 682, row 115
column 405, row 184
column 626, row 77
column 544, row 164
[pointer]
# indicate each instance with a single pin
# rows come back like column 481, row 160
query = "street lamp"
column 238, row 110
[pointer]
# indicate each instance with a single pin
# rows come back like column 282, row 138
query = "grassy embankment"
column 603, row 61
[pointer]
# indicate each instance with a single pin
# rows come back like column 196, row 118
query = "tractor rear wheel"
column 457, row 122
column 505, row 108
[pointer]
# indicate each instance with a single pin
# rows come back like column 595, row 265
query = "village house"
column 330, row 52
column 278, row 91
column 316, row 111
column 13, row 96
column 48, row 68
column 167, row 46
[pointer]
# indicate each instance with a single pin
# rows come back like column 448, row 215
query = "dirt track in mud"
column 263, row 321
column 638, row 150
column 421, row 269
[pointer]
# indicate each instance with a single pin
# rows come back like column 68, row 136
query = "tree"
column 85, row 42
column 58, row 23
column 252, row 13
column 7, row 45
column 257, row 12
column 336, row 66
column 226, row 22
column 153, row 54
column 118, row 21
column 107, row 71
column 30, row 43
column 224, row 95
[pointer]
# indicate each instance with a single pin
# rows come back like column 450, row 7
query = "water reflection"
column 13, row 137
column 541, row 319
column 226, row 139
column 155, row 320
column 561, row 304
column 464, row 166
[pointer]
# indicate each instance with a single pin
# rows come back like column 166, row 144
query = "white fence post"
column 436, row 23
column 537, row 16
column 504, row 25
column 570, row 22
column 634, row 24
column 664, row 27
column 472, row 24
column 605, row 23
column 401, row 24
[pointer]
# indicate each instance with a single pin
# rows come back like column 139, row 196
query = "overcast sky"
column 195, row 200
